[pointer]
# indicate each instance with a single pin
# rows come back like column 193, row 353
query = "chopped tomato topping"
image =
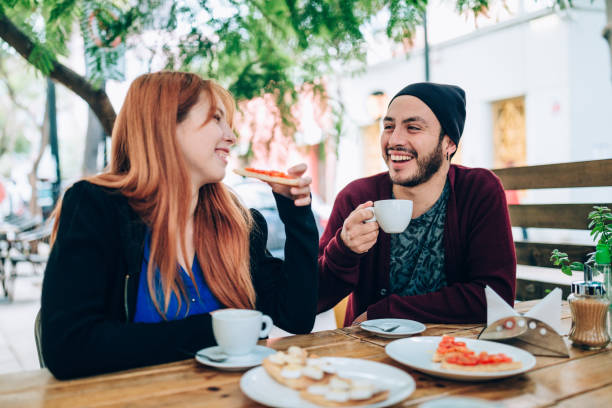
column 463, row 359
column 471, row 359
column 485, row 358
column 461, row 355
column 448, row 344
column 271, row 173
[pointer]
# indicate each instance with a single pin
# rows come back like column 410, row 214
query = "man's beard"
column 426, row 168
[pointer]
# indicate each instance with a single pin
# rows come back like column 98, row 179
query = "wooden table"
column 584, row 380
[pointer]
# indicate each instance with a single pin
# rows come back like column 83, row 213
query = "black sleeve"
column 287, row 290
column 80, row 334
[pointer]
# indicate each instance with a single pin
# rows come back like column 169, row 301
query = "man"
column 458, row 241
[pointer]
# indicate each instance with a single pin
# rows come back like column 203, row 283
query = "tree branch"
column 95, row 98
column 13, row 95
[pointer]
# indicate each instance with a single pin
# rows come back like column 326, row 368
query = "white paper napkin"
column 497, row 308
column 548, row 310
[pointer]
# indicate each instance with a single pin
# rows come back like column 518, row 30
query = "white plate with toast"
column 260, row 387
column 418, row 352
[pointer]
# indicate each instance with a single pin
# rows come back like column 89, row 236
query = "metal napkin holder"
column 528, row 333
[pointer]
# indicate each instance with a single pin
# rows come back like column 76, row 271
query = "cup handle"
column 267, row 321
column 373, row 219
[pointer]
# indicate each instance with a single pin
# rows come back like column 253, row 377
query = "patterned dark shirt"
column 417, row 254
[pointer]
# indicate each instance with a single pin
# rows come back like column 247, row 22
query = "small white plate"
column 260, row 387
column 237, row 363
column 418, row 352
column 406, row 327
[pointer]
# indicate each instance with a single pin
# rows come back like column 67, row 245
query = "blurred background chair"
column 23, row 239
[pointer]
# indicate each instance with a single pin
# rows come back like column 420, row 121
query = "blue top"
column 145, row 309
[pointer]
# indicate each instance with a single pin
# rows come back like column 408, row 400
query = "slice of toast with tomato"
column 271, row 176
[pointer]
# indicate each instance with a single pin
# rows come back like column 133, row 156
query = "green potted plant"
column 601, row 230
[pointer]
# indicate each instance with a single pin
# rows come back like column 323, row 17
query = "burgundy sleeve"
column 338, row 265
column 490, row 260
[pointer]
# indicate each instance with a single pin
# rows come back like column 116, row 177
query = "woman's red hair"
column 146, row 167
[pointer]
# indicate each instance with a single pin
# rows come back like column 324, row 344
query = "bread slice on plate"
column 296, row 369
column 317, row 381
column 456, row 356
column 343, row 392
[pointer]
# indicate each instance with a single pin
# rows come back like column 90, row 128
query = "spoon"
column 384, row 329
column 215, row 357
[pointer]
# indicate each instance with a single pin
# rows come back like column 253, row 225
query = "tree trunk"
column 33, row 176
column 96, row 98
column 607, row 32
column 95, row 135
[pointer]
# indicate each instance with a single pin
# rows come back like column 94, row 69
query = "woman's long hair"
column 146, row 166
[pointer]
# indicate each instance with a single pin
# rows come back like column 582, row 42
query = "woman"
column 144, row 251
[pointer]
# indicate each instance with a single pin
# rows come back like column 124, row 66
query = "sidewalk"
column 17, row 344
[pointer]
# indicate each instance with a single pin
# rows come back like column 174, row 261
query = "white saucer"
column 237, row 363
column 406, row 327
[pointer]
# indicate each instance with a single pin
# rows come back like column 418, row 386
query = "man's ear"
column 450, row 147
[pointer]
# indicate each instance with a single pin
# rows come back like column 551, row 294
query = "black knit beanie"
column 446, row 101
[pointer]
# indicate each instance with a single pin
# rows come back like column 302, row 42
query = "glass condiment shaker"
column 589, row 306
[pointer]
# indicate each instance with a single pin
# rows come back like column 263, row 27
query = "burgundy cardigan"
column 477, row 240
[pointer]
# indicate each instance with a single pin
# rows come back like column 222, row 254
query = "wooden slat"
column 530, row 289
column 565, row 216
column 594, row 173
column 538, row 254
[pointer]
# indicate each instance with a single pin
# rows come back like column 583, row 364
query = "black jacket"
column 91, row 284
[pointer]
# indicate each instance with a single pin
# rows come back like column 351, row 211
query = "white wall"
column 559, row 62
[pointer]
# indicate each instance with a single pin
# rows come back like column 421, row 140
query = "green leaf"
column 566, row 270
column 577, row 266
column 42, row 59
column 61, row 9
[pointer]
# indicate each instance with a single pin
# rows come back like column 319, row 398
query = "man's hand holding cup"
column 357, row 234
column 360, row 229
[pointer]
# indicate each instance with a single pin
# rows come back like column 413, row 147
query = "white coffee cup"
column 393, row 216
column 237, row 330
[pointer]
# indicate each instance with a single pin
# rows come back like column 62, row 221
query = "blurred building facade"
column 538, row 88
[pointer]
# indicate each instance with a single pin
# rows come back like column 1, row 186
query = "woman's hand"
column 300, row 194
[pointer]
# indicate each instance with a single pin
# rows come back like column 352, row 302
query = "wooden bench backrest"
column 595, row 173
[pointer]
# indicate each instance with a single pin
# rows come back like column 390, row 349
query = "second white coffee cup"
column 393, row 216
column 237, row 330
